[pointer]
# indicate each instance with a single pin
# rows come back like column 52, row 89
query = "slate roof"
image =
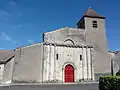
column 6, row 55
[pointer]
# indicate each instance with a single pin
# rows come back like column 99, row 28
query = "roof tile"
column 92, row 13
column 5, row 54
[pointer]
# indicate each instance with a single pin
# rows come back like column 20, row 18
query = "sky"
column 22, row 22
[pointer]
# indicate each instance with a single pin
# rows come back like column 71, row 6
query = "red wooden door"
column 69, row 73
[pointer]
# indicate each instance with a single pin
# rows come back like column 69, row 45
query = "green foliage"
column 118, row 73
column 109, row 83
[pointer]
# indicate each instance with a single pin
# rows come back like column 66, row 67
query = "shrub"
column 109, row 83
column 118, row 73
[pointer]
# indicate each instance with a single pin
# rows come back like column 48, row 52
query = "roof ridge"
column 115, row 52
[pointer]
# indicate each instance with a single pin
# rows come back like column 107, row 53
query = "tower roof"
column 91, row 13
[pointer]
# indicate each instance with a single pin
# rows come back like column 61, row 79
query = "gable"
column 66, row 36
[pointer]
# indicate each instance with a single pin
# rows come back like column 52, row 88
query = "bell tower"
column 94, row 25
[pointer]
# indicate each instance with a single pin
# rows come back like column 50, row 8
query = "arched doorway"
column 69, row 73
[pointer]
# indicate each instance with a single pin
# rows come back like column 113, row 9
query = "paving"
column 84, row 86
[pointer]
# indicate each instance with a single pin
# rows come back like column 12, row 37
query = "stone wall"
column 116, row 63
column 54, row 68
column 8, row 70
column 77, row 36
column 97, row 37
column 28, row 64
column 1, row 72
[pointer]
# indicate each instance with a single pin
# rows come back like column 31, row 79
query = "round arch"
column 63, row 71
column 69, row 41
column 70, row 63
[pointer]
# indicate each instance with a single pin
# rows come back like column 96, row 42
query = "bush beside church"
column 109, row 83
column 118, row 73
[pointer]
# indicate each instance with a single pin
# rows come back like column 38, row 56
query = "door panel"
column 69, row 73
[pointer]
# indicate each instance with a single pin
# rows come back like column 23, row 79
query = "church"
column 66, row 55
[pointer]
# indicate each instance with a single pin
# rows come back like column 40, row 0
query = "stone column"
column 82, row 65
column 51, row 62
column 87, row 60
column 44, row 62
column 85, row 63
column 79, row 63
column 47, row 62
column 89, row 64
column 54, row 77
column 92, row 68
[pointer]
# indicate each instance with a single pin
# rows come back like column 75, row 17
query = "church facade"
column 65, row 55
column 67, row 61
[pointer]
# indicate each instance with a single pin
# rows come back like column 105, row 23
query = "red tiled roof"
column 115, row 52
column 92, row 13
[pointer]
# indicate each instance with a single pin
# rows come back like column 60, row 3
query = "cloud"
column 30, row 41
column 18, row 26
column 4, row 16
column 13, row 2
column 7, row 37
column 4, row 13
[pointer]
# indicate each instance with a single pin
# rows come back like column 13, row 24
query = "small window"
column 80, row 57
column 95, row 24
column 57, row 56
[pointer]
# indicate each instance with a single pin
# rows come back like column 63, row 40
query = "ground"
column 87, row 86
